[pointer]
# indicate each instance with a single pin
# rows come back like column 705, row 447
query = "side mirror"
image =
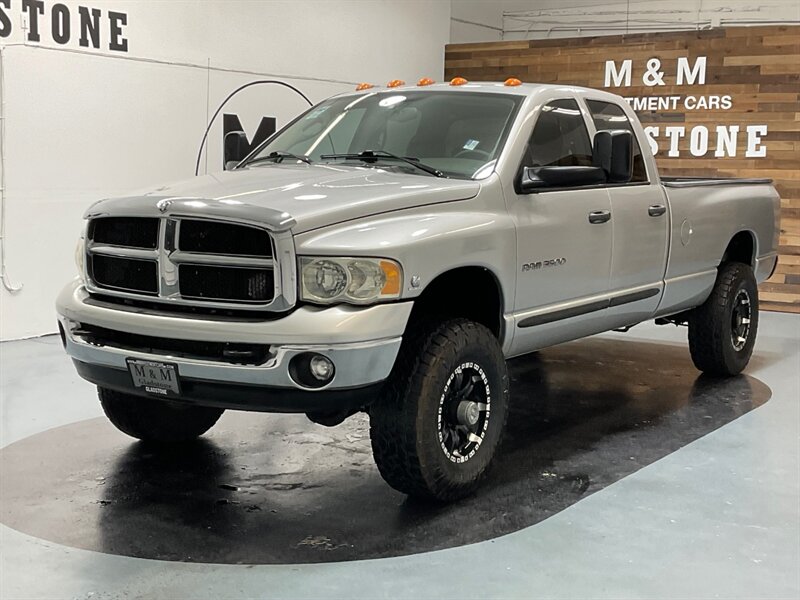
column 613, row 152
column 534, row 179
column 235, row 148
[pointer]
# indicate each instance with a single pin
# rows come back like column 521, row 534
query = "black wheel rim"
column 741, row 317
column 464, row 410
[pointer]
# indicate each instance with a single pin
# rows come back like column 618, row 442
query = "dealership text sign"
column 721, row 140
column 87, row 27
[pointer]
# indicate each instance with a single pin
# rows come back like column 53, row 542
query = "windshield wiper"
column 375, row 155
column 278, row 156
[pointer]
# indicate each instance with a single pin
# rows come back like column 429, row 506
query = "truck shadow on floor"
column 276, row 489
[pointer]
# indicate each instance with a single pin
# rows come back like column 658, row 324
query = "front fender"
column 427, row 242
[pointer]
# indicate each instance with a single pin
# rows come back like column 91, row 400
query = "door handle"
column 599, row 216
column 656, row 210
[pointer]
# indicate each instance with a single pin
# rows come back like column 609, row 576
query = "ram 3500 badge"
column 366, row 258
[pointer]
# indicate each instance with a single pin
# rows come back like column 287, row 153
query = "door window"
column 608, row 116
column 559, row 138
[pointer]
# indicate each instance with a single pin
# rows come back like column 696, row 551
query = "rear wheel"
column 722, row 331
column 442, row 414
column 155, row 420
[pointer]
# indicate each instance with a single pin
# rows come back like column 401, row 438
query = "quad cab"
column 389, row 250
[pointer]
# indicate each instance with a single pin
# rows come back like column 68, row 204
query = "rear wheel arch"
column 741, row 248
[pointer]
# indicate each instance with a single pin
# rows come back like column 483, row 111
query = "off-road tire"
column 711, row 325
column 153, row 420
column 404, row 421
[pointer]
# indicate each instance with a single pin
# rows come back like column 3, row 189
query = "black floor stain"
column 276, row 489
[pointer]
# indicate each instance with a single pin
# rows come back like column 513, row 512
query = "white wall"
column 492, row 20
column 83, row 124
column 476, row 21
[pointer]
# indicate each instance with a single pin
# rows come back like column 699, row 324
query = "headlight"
column 356, row 280
column 80, row 257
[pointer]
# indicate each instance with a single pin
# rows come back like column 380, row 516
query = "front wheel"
column 441, row 416
column 722, row 331
column 154, row 420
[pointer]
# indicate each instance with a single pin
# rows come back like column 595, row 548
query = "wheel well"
column 469, row 292
column 740, row 249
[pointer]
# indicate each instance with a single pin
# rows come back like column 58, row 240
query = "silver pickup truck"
column 388, row 250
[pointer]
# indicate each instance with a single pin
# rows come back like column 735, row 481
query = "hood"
column 300, row 197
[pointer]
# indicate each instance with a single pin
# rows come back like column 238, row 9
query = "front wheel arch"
column 469, row 292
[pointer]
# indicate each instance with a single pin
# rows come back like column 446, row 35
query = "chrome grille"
column 204, row 262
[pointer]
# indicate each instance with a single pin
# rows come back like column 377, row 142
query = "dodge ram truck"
column 388, row 250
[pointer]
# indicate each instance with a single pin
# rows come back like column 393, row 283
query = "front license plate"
column 157, row 378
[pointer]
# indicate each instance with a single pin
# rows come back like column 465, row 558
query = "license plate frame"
column 156, row 377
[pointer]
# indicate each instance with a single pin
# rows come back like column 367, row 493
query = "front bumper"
column 362, row 343
column 234, row 396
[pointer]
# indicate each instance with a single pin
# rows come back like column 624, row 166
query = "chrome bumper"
column 362, row 342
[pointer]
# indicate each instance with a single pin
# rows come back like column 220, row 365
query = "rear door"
column 640, row 229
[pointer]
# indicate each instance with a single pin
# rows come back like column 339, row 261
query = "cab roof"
column 497, row 87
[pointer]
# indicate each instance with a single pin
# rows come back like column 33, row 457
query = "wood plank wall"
column 757, row 67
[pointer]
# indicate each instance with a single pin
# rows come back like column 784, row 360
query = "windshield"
column 458, row 133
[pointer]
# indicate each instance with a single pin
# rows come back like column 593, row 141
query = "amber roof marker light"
column 364, row 86
column 395, row 83
column 512, row 82
column 458, row 81
column 425, row 81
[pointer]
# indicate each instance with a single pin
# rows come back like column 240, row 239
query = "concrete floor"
column 717, row 518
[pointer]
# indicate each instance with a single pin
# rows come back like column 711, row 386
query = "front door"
column 564, row 238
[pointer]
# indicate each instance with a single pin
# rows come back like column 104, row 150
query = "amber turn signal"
column 395, row 83
column 458, row 81
column 512, row 81
column 426, row 81
column 364, row 86
column 391, row 271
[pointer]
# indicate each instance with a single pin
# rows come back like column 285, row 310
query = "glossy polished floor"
column 624, row 475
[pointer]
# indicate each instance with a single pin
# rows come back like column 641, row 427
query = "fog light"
column 311, row 370
column 321, row 367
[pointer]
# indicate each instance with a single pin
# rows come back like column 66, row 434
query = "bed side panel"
column 704, row 220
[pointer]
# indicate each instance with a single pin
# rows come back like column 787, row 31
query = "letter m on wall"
column 695, row 75
column 265, row 129
column 617, row 78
